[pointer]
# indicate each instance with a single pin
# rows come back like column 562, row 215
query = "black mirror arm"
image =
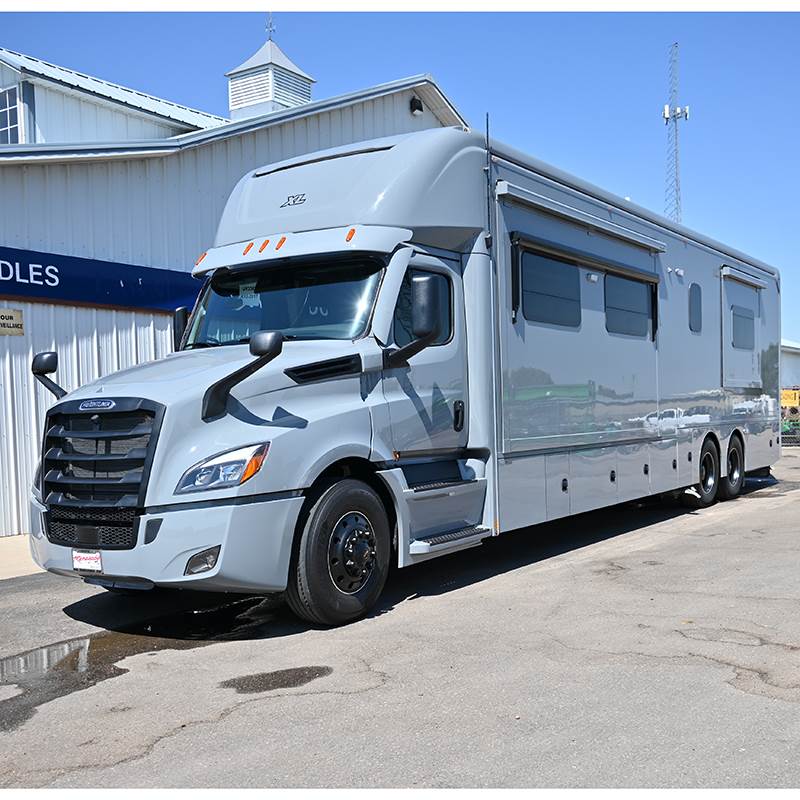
column 215, row 399
column 400, row 357
column 51, row 386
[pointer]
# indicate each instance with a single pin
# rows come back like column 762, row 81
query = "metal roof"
column 28, row 65
column 423, row 85
column 789, row 346
column 270, row 53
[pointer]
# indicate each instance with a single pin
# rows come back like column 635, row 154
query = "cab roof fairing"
column 426, row 180
column 264, row 250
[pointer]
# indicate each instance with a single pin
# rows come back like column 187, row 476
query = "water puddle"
column 56, row 670
column 280, row 679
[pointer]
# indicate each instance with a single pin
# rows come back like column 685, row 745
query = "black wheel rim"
column 734, row 466
column 708, row 474
column 351, row 552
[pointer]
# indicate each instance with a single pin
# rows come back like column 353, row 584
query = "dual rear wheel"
column 712, row 486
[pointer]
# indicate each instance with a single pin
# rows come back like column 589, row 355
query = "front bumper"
column 255, row 539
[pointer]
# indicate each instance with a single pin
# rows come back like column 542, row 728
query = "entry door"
column 428, row 405
column 741, row 320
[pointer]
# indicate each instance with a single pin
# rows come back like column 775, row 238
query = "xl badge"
column 96, row 405
column 294, row 200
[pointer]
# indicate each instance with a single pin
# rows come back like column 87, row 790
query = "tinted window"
column 551, row 291
column 695, row 308
column 304, row 301
column 628, row 306
column 744, row 328
column 403, row 332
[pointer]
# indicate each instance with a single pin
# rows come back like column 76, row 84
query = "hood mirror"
column 180, row 319
column 265, row 346
column 266, row 343
column 45, row 364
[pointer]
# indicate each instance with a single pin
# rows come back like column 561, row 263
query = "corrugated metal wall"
column 159, row 212
column 90, row 342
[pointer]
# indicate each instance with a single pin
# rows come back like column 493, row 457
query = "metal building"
column 790, row 364
column 108, row 195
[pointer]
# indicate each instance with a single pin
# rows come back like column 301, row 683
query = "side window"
column 744, row 328
column 403, row 333
column 695, row 308
column 628, row 306
column 551, row 290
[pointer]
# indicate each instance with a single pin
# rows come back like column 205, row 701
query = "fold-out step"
column 436, row 542
column 427, row 487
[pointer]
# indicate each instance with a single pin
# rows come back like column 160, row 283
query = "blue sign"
column 31, row 275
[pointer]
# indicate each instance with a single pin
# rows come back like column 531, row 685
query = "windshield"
column 303, row 301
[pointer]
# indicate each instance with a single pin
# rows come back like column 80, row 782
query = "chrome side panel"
column 590, row 401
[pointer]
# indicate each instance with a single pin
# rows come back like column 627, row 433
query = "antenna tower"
column 673, row 114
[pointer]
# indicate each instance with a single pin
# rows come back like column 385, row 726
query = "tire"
column 704, row 493
column 343, row 556
column 731, row 485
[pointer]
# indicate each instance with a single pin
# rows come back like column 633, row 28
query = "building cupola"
column 267, row 81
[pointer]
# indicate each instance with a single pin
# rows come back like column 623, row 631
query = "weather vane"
column 270, row 27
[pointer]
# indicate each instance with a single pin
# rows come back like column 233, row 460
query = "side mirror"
column 45, row 364
column 425, row 307
column 266, row 343
column 426, row 313
column 265, row 346
column 180, row 319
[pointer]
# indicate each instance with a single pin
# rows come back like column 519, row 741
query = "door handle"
column 458, row 415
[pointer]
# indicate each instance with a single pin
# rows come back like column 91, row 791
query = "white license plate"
column 87, row 560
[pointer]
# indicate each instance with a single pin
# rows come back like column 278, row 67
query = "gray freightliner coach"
column 401, row 348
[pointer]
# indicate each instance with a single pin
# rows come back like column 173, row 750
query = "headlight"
column 37, row 477
column 223, row 470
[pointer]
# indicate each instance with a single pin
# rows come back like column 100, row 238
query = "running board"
column 449, row 540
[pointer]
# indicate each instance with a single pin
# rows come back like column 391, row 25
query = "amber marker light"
column 197, row 263
column 263, row 245
column 280, row 243
column 247, row 249
column 350, row 234
column 254, row 464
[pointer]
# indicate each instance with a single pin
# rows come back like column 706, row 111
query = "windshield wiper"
column 197, row 345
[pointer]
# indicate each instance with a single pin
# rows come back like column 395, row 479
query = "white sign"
column 11, row 322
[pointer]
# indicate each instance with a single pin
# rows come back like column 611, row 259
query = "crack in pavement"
column 143, row 752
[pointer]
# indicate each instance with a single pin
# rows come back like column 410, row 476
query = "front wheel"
column 343, row 557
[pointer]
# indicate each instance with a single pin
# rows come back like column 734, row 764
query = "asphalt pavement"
column 644, row 645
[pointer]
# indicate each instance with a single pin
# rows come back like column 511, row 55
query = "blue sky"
column 582, row 91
